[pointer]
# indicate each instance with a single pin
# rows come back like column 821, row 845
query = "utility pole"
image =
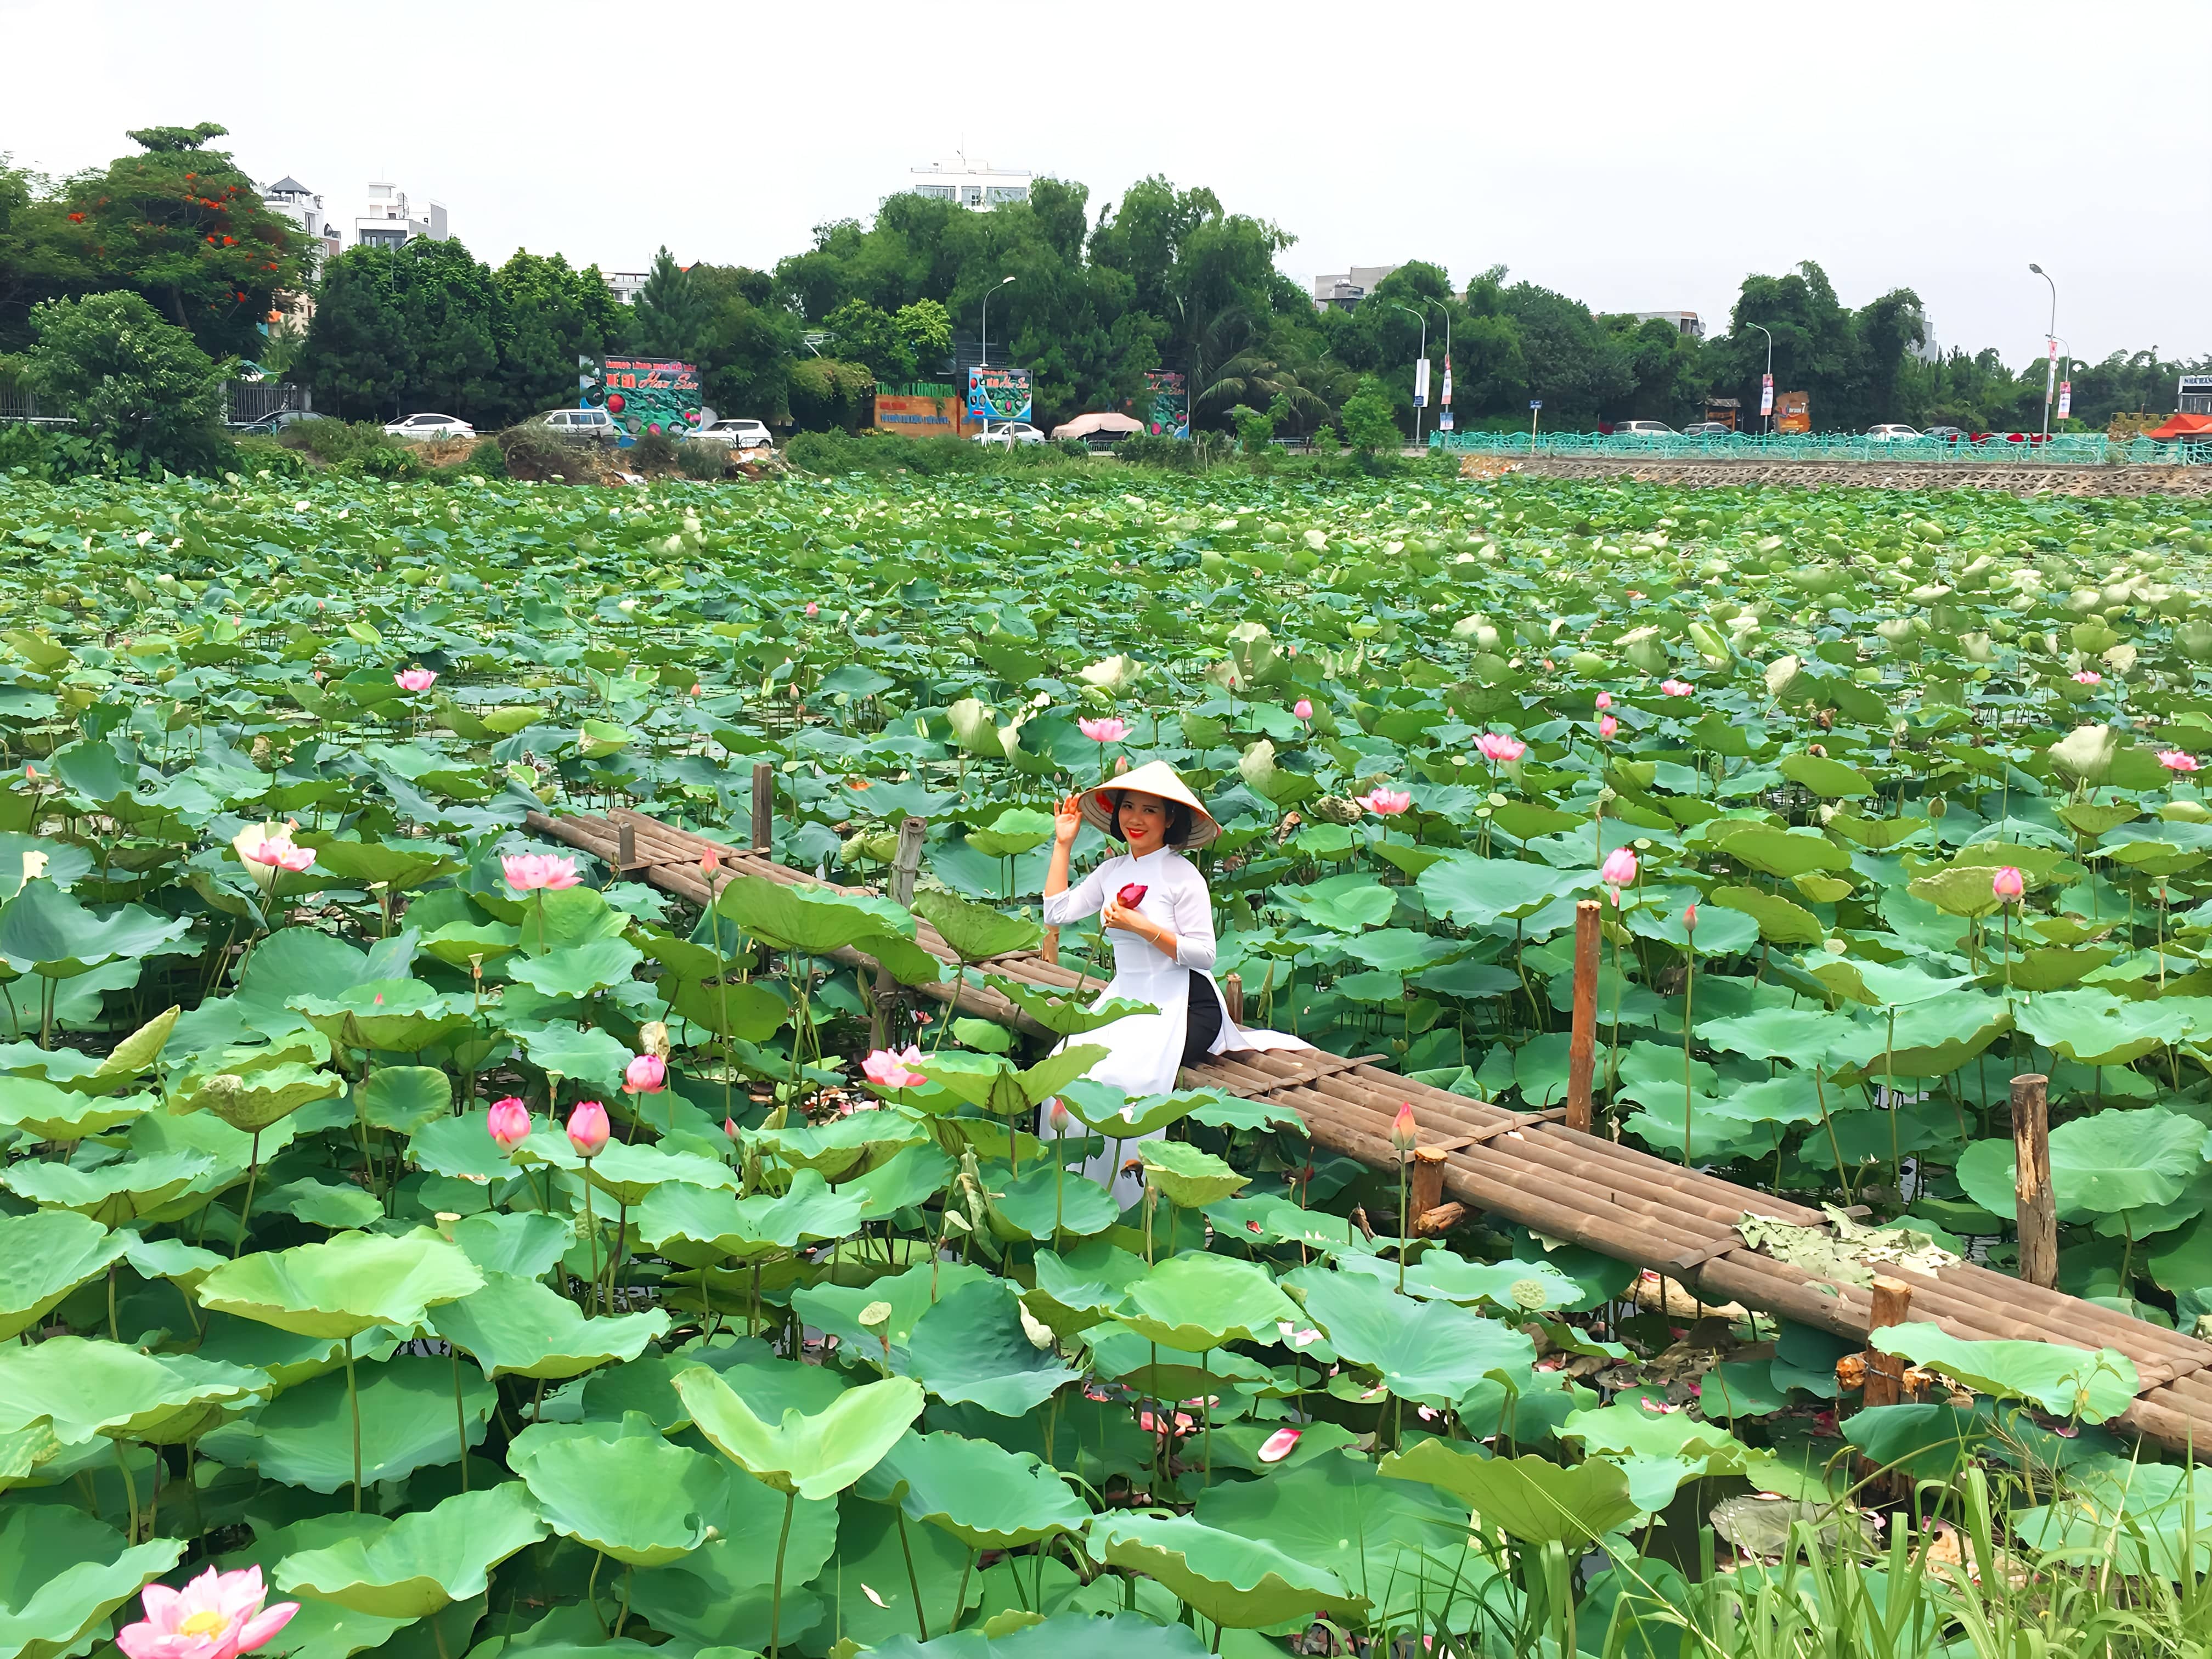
column 2051, row 334
column 1422, row 317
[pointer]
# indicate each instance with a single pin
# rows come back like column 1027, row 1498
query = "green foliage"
column 134, row 384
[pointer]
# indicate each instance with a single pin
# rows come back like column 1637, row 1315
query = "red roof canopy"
column 2184, row 426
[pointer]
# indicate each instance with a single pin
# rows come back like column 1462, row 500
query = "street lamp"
column 1447, row 310
column 2066, row 372
column 2050, row 364
column 987, row 293
column 1766, row 389
column 1422, row 317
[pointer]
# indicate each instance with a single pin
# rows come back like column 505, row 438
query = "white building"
column 624, row 285
column 391, row 220
column 1345, row 288
column 293, row 199
column 1683, row 322
column 969, row 184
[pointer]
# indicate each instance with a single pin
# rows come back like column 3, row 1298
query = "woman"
column 1161, row 935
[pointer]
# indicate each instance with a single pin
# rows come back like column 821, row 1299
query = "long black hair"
column 1178, row 815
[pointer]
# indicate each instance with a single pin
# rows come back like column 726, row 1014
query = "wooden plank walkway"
column 1528, row 1168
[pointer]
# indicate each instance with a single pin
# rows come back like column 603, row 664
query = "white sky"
column 1637, row 156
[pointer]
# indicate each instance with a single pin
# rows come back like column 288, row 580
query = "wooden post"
column 1232, row 997
column 1427, row 1187
column 2035, row 1204
column 763, row 807
column 906, row 865
column 1581, row 1044
column 1885, row 1372
column 625, row 847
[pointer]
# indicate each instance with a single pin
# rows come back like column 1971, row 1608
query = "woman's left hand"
column 1125, row 917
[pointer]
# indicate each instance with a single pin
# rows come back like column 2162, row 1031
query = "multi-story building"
column 293, row 199
column 391, row 220
column 624, row 285
column 969, row 184
column 1683, row 322
column 1345, row 288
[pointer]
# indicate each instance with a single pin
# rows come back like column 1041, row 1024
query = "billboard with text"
column 998, row 394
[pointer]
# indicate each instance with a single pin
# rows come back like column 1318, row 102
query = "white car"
column 737, row 434
column 430, row 426
column 584, row 424
column 1892, row 433
column 1008, row 435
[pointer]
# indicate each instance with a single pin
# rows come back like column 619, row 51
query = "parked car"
column 1706, row 429
column 583, row 425
column 430, row 426
column 1892, row 432
column 1949, row 434
column 270, row 425
column 737, row 434
column 1642, row 430
column 1007, row 435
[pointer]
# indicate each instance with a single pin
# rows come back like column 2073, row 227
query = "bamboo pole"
column 1581, row 1044
column 2034, row 1203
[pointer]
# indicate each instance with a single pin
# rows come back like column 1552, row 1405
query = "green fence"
column 2065, row 449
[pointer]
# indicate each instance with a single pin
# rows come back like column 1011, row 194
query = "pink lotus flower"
column 2176, row 760
column 1605, row 699
column 892, row 1069
column 1607, row 726
column 812, row 609
column 217, row 1616
column 2086, row 677
column 508, row 1122
column 1297, row 1337
column 1301, row 709
column 589, row 1128
column 1619, row 870
column 646, row 1074
column 1112, row 729
column 730, row 1128
column 1678, row 687
column 1405, row 1132
column 2008, row 885
column 710, row 861
column 529, row 872
column 1057, row 1117
column 416, row 679
column 1386, row 803
column 1500, row 750
column 279, row 853
column 1278, row 1446
column 1690, row 920
column 1132, row 894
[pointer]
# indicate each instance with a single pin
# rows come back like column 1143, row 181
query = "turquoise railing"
column 2066, row 449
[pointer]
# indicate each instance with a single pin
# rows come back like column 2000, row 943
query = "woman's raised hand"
column 1067, row 820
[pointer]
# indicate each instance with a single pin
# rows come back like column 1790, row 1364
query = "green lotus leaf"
column 1064, row 1016
column 44, row 1257
column 1829, row 779
column 401, row 1099
column 63, row 1572
column 700, row 1225
column 525, row 1243
column 130, row 1189
column 1516, row 1288
column 1922, row 1442
column 1197, row 1302
column 813, row 920
column 1239, row 1583
column 837, row 1308
column 2066, row 1382
column 988, row 1498
column 522, row 1327
column 58, row 937
column 1186, row 1175
column 1529, row 1498
column 997, row 1085
column 460, row 943
column 1431, row 1352
column 408, row 1421
column 343, row 1285
column 85, row 1386
column 374, row 864
column 627, row 1172
column 1043, row 1203
column 423, row 1561
column 1780, row 922
column 588, row 1057
column 2098, row 1029
column 620, row 1487
column 976, row 933
column 1120, row 1116
column 50, row 1113
column 391, row 1015
column 2107, row 1165
column 1392, row 1539
column 251, row 1101
column 577, row 970
column 843, row 1146
column 460, row 1148
column 1481, row 892
column 725, row 1007
column 809, row 1456
column 971, row 1346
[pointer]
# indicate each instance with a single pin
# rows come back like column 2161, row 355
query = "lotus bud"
column 1405, row 1132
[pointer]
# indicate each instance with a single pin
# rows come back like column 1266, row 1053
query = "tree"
column 1371, row 424
column 458, row 322
column 555, row 315
column 669, row 319
column 183, row 227
column 745, row 364
column 132, row 382
column 359, row 356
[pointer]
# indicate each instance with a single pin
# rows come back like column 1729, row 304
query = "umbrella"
column 1084, row 425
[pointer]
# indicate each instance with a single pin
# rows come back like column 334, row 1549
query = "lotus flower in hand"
column 1133, row 895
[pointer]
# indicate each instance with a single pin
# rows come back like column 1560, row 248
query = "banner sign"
column 1447, row 381
column 1421, row 383
column 1794, row 412
column 917, row 417
column 1167, row 404
column 646, row 395
column 1444, row 421
column 2065, row 398
column 1766, row 394
column 998, row 394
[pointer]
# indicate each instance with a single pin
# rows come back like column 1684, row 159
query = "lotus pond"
column 303, row 1275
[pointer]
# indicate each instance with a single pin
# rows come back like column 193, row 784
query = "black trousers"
column 1204, row 1020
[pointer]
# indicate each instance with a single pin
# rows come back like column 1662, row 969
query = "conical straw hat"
column 1155, row 778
